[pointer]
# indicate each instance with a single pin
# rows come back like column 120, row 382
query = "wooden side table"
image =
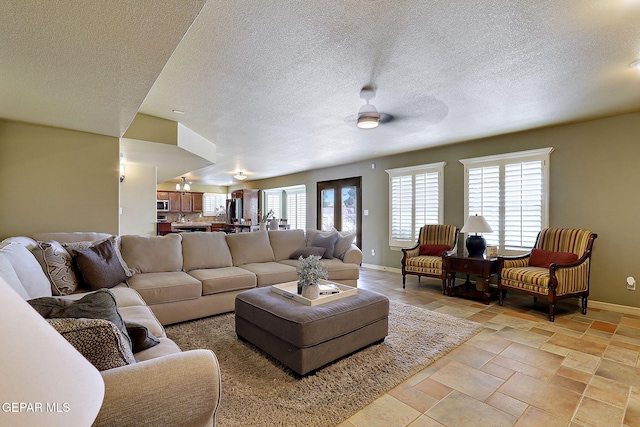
column 483, row 268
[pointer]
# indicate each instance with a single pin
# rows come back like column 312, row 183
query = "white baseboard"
column 382, row 268
column 617, row 308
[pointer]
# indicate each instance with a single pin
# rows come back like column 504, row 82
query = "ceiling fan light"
column 368, row 121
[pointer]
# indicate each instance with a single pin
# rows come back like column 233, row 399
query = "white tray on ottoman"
column 290, row 290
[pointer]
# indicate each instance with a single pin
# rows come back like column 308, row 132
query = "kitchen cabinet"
column 163, row 228
column 196, row 202
column 175, row 203
column 184, row 203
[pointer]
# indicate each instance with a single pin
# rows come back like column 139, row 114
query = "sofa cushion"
column 141, row 338
column 307, row 251
column 271, row 273
column 9, row 275
column 205, row 250
column 337, row 269
column 56, row 263
column 100, row 304
column 327, row 241
column 158, row 288
column 98, row 340
column 100, row 266
column 249, row 248
column 28, row 270
column 143, row 315
column 226, row 279
column 285, row 242
column 152, row 254
column 344, row 242
column 543, row 258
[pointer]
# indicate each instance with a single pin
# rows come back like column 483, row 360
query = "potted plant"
column 310, row 271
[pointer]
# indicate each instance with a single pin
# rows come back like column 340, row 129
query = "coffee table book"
column 290, row 290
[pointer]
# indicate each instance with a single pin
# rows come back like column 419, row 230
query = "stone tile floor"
column 521, row 370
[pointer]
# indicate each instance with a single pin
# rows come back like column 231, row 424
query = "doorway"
column 339, row 205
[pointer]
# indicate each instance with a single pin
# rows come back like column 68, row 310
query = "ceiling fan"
column 368, row 115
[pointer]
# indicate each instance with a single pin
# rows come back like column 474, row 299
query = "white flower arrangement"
column 311, row 270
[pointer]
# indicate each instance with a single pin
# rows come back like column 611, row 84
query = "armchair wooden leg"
column 584, row 305
column 552, row 312
column 403, row 280
column 501, row 294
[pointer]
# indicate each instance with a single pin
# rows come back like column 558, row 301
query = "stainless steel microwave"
column 162, row 205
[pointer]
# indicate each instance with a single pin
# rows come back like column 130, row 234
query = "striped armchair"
column 431, row 265
column 557, row 267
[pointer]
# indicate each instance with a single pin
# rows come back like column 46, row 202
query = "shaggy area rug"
column 259, row 391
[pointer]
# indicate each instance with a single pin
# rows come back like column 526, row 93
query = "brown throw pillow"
column 100, row 266
column 141, row 338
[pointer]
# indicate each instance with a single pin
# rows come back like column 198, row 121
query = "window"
column 289, row 203
column 415, row 199
column 214, row 204
column 511, row 191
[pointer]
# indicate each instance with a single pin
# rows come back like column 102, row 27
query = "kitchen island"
column 188, row 226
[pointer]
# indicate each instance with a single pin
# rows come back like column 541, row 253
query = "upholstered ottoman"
column 305, row 338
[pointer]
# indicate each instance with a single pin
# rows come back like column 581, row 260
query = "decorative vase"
column 311, row 291
column 300, row 286
column 263, row 226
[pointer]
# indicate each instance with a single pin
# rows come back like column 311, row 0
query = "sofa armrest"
column 353, row 255
column 179, row 389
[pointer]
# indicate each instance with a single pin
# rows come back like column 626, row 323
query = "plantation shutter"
column 402, row 208
column 426, row 201
column 484, row 198
column 273, row 202
column 297, row 209
column 415, row 199
column 213, row 204
column 522, row 204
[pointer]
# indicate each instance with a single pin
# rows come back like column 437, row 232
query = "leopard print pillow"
column 98, row 340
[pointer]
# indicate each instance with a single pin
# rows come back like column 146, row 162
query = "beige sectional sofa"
column 192, row 275
column 166, row 387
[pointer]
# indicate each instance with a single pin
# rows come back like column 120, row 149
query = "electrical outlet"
column 631, row 283
column 373, row 252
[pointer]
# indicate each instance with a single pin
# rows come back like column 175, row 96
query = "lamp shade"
column 476, row 224
column 38, row 366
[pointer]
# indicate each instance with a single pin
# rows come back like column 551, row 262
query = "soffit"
column 85, row 65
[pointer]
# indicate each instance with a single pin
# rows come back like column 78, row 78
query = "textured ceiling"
column 275, row 84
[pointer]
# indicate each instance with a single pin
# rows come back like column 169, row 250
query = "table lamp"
column 476, row 244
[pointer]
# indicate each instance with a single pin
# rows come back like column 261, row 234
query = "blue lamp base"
column 476, row 246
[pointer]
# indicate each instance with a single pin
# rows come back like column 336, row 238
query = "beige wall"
column 594, row 185
column 56, row 180
column 138, row 200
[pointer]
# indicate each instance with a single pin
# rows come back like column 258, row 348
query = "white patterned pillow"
column 56, row 264
column 98, row 340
